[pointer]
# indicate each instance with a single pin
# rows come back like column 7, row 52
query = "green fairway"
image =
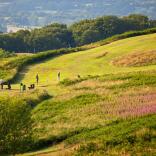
column 96, row 61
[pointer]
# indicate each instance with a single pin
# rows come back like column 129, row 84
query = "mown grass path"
column 91, row 62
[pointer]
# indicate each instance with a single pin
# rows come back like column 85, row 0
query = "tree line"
column 56, row 36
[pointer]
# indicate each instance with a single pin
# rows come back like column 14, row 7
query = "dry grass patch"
column 101, row 55
column 136, row 59
column 93, row 84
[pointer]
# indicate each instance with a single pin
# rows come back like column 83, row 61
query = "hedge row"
column 121, row 36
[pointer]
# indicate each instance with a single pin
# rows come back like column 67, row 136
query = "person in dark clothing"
column 2, row 83
column 9, row 86
column 2, row 86
column 24, row 88
column 21, row 87
column 79, row 76
column 58, row 76
column 37, row 78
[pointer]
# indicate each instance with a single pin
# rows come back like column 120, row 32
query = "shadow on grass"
column 20, row 76
column 54, row 140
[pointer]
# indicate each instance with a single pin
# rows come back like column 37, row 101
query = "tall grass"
column 119, row 138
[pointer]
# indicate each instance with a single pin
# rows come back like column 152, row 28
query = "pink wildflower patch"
column 137, row 105
column 140, row 110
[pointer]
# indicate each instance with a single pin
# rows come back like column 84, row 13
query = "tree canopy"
column 57, row 36
column 107, row 26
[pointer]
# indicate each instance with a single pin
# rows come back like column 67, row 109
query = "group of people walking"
column 7, row 84
column 32, row 86
column 58, row 77
column 23, row 86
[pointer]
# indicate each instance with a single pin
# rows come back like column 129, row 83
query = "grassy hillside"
column 99, row 115
column 10, row 67
column 121, row 137
column 97, row 61
column 108, row 110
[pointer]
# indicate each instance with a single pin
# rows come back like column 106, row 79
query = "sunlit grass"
column 82, row 108
column 85, row 63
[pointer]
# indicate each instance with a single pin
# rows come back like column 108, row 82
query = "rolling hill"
column 109, row 109
column 97, row 61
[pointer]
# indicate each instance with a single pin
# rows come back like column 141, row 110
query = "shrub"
column 15, row 126
column 6, row 54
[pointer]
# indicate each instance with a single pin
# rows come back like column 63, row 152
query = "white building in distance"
column 13, row 29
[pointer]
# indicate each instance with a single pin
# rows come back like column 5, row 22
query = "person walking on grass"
column 21, row 87
column 37, row 78
column 58, row 76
